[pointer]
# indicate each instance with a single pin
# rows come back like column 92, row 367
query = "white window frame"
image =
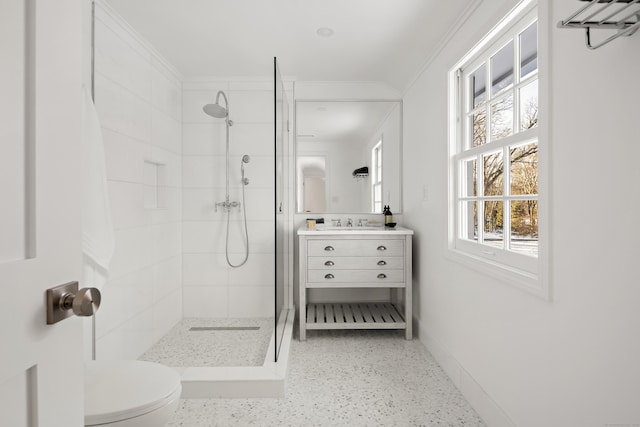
column 376, row 175
column 526, row 272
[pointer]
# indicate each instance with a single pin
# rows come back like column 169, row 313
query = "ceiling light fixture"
column 325, row 32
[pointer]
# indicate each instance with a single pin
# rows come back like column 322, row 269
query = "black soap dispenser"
column 388, row 217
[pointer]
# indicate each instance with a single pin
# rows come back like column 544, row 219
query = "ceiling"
column 384, row 41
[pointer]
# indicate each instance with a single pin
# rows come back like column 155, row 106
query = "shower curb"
column 267, row 380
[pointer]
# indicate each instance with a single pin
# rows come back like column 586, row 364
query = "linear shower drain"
column 224, row 328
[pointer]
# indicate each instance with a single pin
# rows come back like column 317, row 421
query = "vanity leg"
column 302, row 289
column 408, row 290
column 408, row 315
column 302, row 314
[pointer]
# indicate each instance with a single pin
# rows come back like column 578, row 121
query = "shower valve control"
column 227, row 205
column 66, row 300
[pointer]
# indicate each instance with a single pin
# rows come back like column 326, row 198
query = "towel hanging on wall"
column 98, row 239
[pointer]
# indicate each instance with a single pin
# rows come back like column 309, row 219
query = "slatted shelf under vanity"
column 354, row 316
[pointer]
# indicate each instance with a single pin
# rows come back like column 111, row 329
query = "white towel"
column 98, row 239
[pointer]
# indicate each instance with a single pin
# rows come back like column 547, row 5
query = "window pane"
column 468, row 178
column 493, row 173
column 529, row 50
column 479, row 128
column 524, row 227
column 524, row 169
column 377, row 198
column 529, row 106
column 502, row 69
column 469, row 221
column 492, row 235
column 502, row 118
column 478, row 86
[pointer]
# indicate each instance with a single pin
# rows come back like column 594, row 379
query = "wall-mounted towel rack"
column 623, row 16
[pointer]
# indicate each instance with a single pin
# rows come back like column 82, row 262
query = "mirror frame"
column 396, row 209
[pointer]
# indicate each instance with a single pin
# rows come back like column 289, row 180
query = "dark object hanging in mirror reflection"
column 362, row 172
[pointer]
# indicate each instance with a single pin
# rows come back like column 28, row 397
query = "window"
column 494, row 140
column 376, row 177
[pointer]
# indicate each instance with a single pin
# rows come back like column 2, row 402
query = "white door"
column 41, row 366
column 315, row 199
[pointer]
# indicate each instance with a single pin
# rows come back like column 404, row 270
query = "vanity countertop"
column 329, row 230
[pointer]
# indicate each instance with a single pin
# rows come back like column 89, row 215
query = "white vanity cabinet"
column 354, row 258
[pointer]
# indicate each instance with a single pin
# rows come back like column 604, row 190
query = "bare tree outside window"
column 523, row 163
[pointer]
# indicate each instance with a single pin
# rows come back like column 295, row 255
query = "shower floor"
column 213, row 342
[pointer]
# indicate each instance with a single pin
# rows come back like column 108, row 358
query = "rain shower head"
column 216, row 110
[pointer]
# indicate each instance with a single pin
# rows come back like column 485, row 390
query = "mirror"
column 348, row 156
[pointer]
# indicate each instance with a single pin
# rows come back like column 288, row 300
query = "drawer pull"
column 329, row 276
column 329, row 248
column 382, row 262
column 329, row 263
column 382, row 248
column 381, row 276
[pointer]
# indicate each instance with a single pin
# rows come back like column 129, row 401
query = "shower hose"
column 246, row 233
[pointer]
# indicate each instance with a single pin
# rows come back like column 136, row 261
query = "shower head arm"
column 226, row 101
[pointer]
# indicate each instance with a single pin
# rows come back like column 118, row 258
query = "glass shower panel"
column 281, row 206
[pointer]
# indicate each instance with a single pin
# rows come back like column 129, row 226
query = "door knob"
column 84, row 302
column 66, row 300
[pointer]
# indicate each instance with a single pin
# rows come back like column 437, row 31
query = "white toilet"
column 130, row 393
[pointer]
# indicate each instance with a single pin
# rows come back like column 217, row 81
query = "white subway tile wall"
column 212, row 288
column 138, row 98
column 170, row 257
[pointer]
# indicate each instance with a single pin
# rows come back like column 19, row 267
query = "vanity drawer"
column 373, row 277
column 354, row 263
column 355, row 247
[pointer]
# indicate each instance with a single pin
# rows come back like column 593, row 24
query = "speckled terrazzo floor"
column 184, row 348
column 346, row 378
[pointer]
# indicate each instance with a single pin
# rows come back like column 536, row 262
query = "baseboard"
column 490, row 412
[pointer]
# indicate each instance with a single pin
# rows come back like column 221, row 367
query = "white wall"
column 519, row 359
column 211, row 287
column 138, row 99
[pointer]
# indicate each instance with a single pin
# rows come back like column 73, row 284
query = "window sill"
column 531, row 283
